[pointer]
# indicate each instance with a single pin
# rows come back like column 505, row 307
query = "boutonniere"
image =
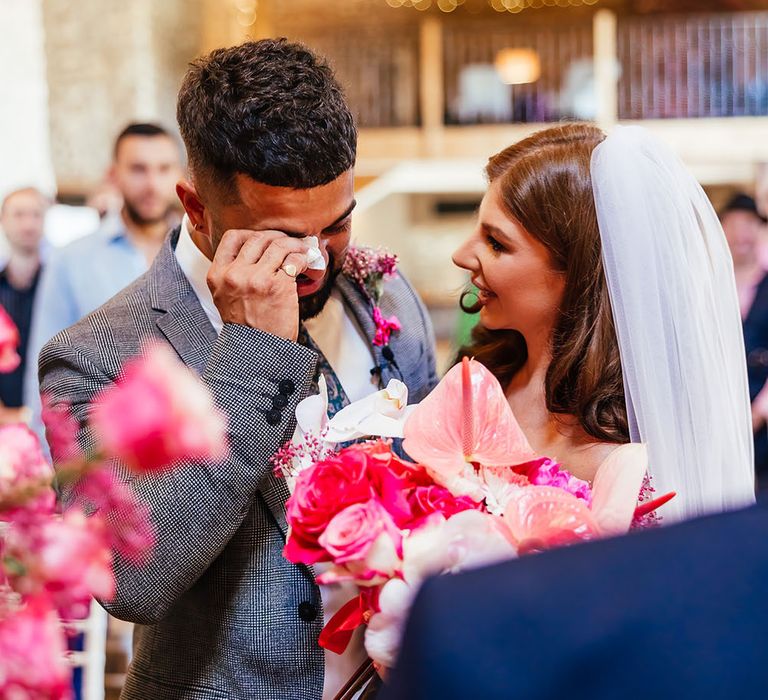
column 368, row 269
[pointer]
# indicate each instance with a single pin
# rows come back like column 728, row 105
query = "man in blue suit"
column 674, row 613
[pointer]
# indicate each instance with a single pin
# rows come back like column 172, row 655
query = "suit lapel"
column 184, row 323
column 188, row 330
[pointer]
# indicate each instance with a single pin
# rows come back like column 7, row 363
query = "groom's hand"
column 250, row 285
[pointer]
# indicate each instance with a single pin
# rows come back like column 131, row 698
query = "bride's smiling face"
column 519, row 288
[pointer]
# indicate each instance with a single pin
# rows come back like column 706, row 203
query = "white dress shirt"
column 338, row 336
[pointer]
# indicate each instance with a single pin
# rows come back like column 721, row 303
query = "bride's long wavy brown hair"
column 546, row 187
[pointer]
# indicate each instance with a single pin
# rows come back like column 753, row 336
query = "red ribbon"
column 337, row 633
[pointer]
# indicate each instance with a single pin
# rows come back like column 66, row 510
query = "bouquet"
column 475, row 493
column 52, row 562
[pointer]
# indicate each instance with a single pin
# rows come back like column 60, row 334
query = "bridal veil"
column 673, row 295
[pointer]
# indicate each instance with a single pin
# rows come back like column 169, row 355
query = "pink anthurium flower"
column 540, row 517
column 466, row 421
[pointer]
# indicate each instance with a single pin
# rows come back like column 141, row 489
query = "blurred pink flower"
column 157, row 414
column 66, row 558
column 9, row 342
column 32, row 661
column 23, row 468
column 60, row 430
column 126, row 518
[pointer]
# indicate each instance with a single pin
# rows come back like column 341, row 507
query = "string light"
column 513, row 6
column 246, row 12
column 518, row 66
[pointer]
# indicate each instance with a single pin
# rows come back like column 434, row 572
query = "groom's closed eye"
column 341, row 227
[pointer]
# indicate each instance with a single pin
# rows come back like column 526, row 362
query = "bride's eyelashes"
column 493, row 244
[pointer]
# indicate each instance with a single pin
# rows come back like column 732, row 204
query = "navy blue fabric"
column 756, row 345
column 678, row 612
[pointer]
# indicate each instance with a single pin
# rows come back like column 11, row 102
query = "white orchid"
column 380, row 414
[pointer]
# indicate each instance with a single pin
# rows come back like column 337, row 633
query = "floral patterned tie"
column 337, row 399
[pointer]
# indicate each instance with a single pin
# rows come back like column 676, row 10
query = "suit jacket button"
column 274, row 416
column 307, row 611
column 279, row 401
column 286, row 387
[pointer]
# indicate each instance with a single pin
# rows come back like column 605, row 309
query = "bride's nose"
column 463, row 256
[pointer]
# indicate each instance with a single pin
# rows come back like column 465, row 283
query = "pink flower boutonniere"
column 368, row 269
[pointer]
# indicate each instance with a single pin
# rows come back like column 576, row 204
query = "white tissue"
column 315, row 259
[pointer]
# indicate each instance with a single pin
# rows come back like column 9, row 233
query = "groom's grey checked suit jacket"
column 220, row 613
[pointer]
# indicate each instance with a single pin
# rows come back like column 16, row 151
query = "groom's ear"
column 193, row 205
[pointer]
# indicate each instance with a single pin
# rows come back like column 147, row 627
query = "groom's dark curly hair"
column 269, row 109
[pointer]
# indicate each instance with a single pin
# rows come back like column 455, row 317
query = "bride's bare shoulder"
column 585, row 460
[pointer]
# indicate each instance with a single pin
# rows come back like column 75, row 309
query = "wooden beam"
column 606, row 62
column 431, row 92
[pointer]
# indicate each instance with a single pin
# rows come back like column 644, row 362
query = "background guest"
column 81, row 276
column 746, row 233
column 22, row 215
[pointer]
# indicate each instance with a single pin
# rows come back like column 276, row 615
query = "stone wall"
column 25, row 157
column 111, row 62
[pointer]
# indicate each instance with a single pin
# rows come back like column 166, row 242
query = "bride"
column 608, row 311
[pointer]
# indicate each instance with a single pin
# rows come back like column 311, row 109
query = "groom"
column 271, row 143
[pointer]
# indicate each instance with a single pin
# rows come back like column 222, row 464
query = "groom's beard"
column 310, row 306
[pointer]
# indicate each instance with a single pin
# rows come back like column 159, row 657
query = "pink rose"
column 320, row 493
column 425, row 500
column 157, row 414
column 393, row 480
column 25, row 475
column 9, row 342
column 66, row 558
column 32, row 661
column 363, row 532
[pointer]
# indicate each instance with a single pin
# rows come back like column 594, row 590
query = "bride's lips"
column 484, row 295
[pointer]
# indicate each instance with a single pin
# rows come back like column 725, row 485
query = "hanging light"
column 518, row 66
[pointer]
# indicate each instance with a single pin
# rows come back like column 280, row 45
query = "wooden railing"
column 713, row 65
column 667, row 66
column 474, row 94
column 379, row 72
